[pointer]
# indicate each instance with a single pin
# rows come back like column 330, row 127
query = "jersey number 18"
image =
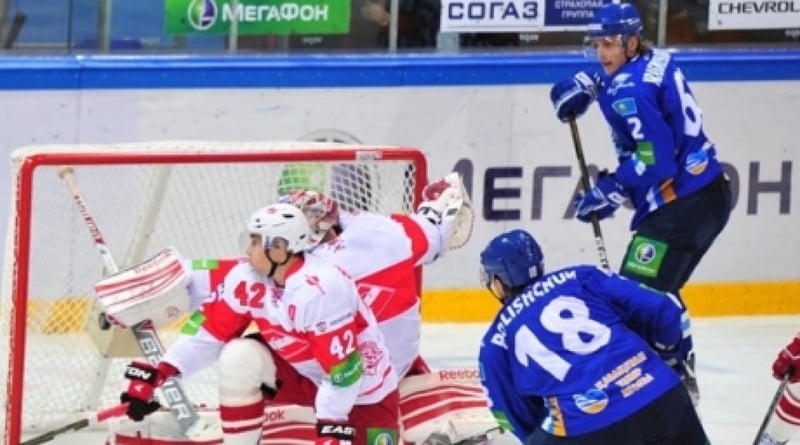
column 568, row 316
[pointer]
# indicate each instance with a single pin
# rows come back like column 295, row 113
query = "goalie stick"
column 598, row 234
column 101, row 416
column 775, row 399
column 190, row 423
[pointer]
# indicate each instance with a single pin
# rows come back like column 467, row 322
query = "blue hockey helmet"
column 514, row 257
column 616, row 19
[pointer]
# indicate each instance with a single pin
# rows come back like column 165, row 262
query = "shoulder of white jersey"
column 318, row 277
column 362, row 220
column 242, row 271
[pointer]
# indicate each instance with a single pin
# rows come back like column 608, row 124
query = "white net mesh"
column 143, row 197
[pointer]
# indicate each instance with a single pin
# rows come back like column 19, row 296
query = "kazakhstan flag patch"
column 625, row 107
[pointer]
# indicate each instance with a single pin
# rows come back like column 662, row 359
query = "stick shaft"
column 114, row 411
column 775, row 399
column 146, row 335
column 598, row 234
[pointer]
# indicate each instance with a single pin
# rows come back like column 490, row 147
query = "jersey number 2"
column 568, row 316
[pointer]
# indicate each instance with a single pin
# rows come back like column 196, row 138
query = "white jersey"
column 381, row 253
column 317, row 323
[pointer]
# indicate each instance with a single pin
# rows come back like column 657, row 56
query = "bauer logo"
column 202, row 14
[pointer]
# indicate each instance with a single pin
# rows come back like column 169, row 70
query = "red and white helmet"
column 285, row 221
column 321, row 211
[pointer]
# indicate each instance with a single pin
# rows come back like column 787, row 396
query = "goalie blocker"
column 153, row 290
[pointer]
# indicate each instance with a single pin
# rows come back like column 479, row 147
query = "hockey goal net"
column 145, row 196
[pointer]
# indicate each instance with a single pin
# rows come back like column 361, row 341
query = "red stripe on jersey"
column 290, row 347
column 386, row 373
column 294, row 267
column 419, row 242
column 333, row 347
column 222, row 322
column 217, row 275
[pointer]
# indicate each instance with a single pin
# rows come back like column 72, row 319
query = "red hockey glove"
column 331, row 432
column 144, row 379
column 788, row 362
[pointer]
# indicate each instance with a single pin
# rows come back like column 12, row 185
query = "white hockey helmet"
column 285, row 221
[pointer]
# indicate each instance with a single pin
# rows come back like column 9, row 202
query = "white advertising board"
column 753, row 15
column 506, row 136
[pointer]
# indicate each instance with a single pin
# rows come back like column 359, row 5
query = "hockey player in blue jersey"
column 571, row 356
column 668, row 168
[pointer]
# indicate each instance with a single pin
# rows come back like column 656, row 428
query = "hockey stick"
column 101, row 416
column 146, row 336
column 775, row 399
column 598, row 234
column 480, row 438
column 446, row 437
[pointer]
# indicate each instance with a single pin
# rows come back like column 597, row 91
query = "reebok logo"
column 459, row 374
column 276, row 416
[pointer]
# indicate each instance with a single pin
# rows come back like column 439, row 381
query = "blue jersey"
column 657, row 129
column 571, row 352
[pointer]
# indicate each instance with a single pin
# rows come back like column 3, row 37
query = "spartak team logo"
column 313, row 280
column 371, row 354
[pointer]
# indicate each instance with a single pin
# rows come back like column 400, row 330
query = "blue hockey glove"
column 572, row 97
column 603, row 199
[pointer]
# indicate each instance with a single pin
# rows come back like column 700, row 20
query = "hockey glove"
column 331, row 432
column 788, row 362
column 603, row 199
column 572, row 97
column 144, row 379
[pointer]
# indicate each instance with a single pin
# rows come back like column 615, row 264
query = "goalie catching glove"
column 446, row 203
column 154, row 290
column 144, row 379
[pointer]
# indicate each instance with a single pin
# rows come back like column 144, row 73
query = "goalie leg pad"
column 153, row 290
column 447, row 204
column 448, row 402
column 244, row 364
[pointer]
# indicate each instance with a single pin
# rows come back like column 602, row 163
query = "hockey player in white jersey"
column 382, row 253
column 317, row 345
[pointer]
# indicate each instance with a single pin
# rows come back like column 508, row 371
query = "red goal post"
column 192, row 195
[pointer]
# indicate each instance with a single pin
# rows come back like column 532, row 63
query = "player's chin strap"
column 275, row 264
